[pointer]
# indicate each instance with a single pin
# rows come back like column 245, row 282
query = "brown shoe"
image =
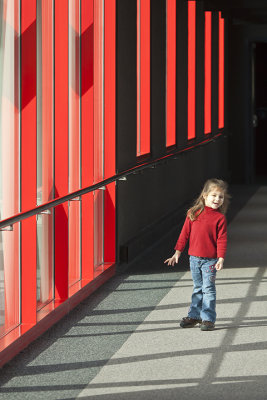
column 207, row 326
column 189, row 322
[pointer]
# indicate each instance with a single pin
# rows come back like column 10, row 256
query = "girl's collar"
column 210, row 209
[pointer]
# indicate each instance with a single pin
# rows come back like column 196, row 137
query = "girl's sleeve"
column 184, row 235
column 222, row 238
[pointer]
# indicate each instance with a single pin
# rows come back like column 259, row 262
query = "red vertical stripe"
column 87, row 106
column 87, row 93
column 28, row 159
column 74, row 96
column 10, row 117
column 61, row 97
column 138, row 72
column 74, row 242
column 98, row 92
column 171, row 74
column 47, row 100
column 110, row 225
column 110, row 84
column 74, row 139
column 28, row 103
column 61, row 148
column 221, row 71
column 110, row 125
column 143, row 77
column 207, row 104
column 88, row 236
column 191, row 69
column 98, row 130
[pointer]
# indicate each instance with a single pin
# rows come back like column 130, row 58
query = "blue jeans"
column 203, row 303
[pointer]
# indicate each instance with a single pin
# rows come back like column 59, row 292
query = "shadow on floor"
column 61, row 363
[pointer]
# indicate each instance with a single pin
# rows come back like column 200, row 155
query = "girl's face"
column 214, row 198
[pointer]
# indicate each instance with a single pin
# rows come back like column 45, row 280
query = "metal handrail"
column 8, row 222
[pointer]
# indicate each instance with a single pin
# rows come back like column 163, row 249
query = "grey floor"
column 124, row 341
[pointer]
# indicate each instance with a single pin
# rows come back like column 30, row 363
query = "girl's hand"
column 174, row 259
column 219, row 264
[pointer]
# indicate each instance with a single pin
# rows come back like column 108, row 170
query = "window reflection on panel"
column 74, row 95
column 45, row 251
column 45, row 148
column 74, row 142
column 87, row 127
column 2, row 286
column 99, row 137
column 9, row 279
column 74, row 241
column 98, row 231
column 9, row 162
column 110, row 131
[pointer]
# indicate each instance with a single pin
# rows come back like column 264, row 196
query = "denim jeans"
column 203, row 303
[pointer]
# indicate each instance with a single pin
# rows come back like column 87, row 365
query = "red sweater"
column 207, row 235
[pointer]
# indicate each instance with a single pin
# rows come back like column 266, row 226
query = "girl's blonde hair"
column 199, row 203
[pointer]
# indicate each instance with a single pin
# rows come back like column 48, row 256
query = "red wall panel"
column 110, row 128
column 221, row 72
column 171, row 74
column 47, row 100
column 61, row 148
column 191, row 69
column 74, row 228
column 143, row 77
column 28, row 160
column 9, row 155
column 87, row 121
column 207, row 99
column 87, row 92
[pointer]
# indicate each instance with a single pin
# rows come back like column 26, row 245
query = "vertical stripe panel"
column 215, row 72
column 10, row 163
column 191, row 69
column 87, row 122
column 221, row 72
column 207, row 105
column 110, row 128
column 74, row 226
column 182, row 72
column 171, row 74
column 28, row 159
column 61, row 148
column 138, row 77
column 144, row 77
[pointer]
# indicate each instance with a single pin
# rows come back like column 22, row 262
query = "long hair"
column 199, row 203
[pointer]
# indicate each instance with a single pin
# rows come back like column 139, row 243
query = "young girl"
column 205, row 227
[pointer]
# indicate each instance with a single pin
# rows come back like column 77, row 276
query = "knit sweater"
column 207, row 235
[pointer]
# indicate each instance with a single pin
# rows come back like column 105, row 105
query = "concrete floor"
column 125, row 342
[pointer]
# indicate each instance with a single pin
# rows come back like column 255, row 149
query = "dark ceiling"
column 240, row 11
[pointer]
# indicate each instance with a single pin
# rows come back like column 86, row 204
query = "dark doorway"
column 260, row 111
